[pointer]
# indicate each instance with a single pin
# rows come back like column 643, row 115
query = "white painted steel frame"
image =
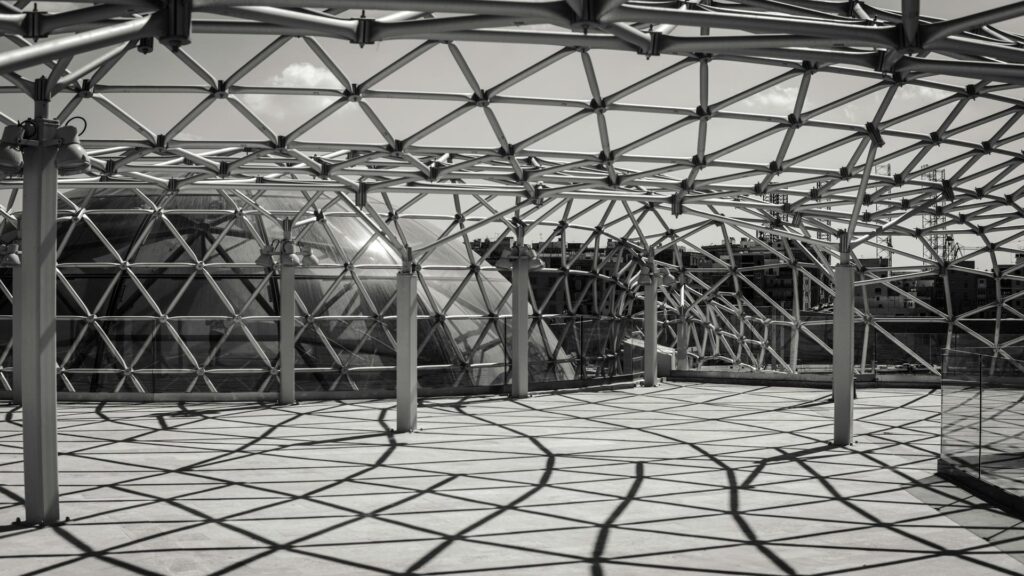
column 636, row 195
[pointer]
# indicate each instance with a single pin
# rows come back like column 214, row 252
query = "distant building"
column 579, row 280
column 583, row 291
column 967, row 291
column 763, row 267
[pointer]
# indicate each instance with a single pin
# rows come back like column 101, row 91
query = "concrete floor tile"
column 678, row 479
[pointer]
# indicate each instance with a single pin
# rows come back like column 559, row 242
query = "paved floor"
column 716, row 479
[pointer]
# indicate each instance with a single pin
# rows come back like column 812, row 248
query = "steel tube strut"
column 940, row 30
column 553, row 10
column 1011, row 73
column 77, row 43
column 312, row 23
column 911, row 16
column 842, row 33
column 37, row 302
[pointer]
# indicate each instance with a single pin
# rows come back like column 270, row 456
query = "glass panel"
column 219, row 327
column 961, row 411
column 1002, row 417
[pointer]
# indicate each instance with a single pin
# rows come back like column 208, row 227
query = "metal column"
column 520, row 325
column 682, row 332
column 15, row 345
column 651, row 329
column 286, row 328
column 406, row 348
column 842, row 353
column 37, row 336
column 682, row 343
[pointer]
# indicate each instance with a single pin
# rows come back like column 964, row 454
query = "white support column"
column 798, row 305
column 682, row 332
column 37, row 301
column 682, row 344
column 842, row 352
column 406, row 348
column 520, row 383
column 651, row 328
column 286, row 330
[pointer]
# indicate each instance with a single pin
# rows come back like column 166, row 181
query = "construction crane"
column 822, row 234
column 883, row 249
column 883, row 246
column 775, row 215
column 935, row 241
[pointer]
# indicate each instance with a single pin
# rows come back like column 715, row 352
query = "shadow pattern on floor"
column 682, row 478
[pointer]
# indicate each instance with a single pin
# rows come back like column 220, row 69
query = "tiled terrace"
column 683, row 478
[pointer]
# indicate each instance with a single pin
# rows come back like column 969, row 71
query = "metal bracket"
column 362, row 195
column 32, row 25
column 653, row 46
column 325, row 168
column 409, row 265
column 947, row 190
column 363, row 36
column 41, row 90
column 678, row 199
column 875, row 134
column 583, row 18
column 177, row 24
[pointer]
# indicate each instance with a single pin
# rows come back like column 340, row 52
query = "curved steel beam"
column 939, row 30
column 76, row 44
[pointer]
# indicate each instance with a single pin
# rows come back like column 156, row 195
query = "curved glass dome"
column 160, row 292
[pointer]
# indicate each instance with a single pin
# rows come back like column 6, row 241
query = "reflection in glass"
column 189, row 311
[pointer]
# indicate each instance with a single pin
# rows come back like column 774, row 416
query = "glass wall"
column 161, row 292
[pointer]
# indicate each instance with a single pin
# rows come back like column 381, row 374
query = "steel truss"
column 679, row 176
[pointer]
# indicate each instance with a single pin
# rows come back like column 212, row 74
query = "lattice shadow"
column 684, row 478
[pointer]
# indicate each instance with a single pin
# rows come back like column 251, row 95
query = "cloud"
column 907, row 97
column 774, row 99
column 295, row 75
column 782, row 99
column 923, row 93
column 305, row 75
